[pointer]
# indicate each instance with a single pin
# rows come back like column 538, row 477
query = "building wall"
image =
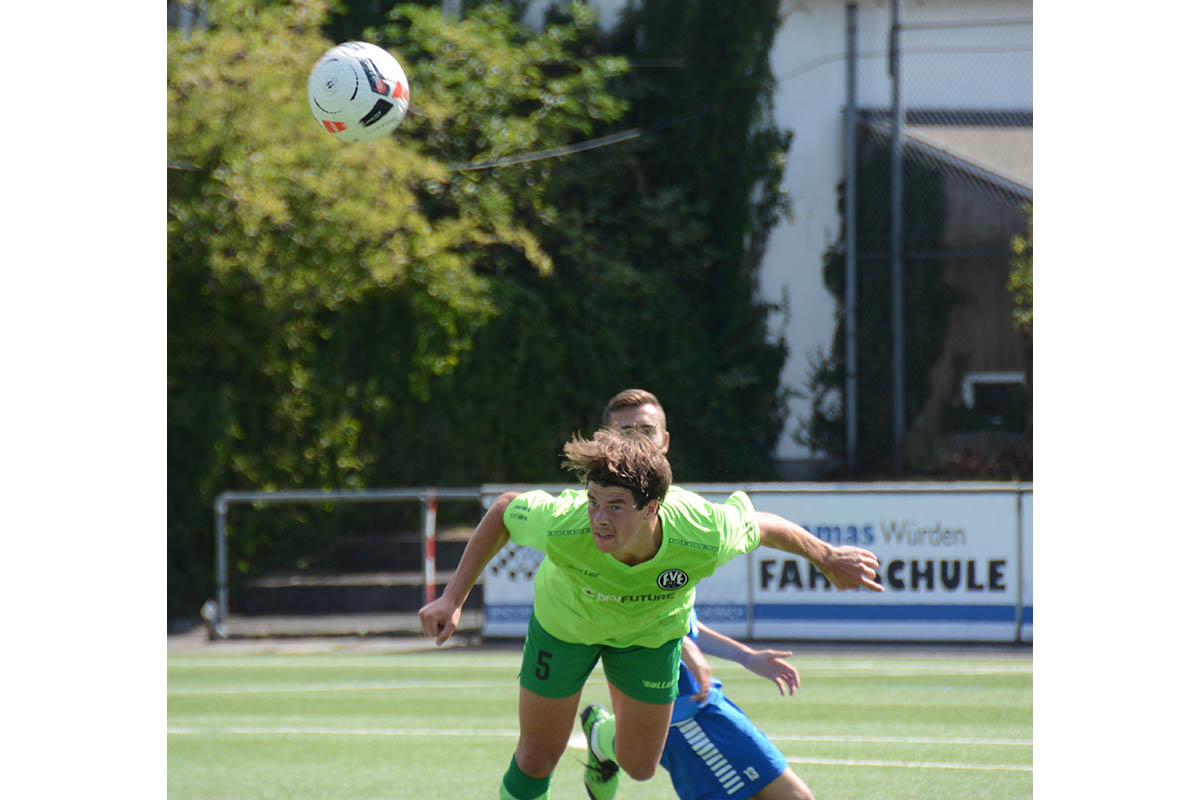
column 985, row 67
column 968, row 68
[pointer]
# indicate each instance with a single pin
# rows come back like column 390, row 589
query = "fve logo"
column 672, row 579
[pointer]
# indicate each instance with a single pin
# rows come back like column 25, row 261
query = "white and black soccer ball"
column 358, row 92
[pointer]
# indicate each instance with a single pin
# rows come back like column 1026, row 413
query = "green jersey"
column 584, row 596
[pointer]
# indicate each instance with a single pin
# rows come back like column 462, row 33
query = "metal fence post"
column 222, row 506
column 430, row 551
column 1020, row 604
column 897, row 244
column 851, row 216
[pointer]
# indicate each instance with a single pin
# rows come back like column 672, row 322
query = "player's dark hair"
column 611, row 458
column 632, row 398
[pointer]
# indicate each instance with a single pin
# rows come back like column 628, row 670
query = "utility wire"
column 590, row 144
column 635, row 133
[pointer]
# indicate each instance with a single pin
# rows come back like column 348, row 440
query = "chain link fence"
column 940, row 94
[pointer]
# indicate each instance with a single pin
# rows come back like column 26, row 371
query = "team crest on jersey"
column 672, row 579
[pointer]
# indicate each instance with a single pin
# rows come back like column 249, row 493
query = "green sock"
column 604, row 736
column 519, row 786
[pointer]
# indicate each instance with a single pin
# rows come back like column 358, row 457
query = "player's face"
column 647, row 419
column 618, row 526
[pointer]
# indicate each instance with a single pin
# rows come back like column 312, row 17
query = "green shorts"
column 554, row 668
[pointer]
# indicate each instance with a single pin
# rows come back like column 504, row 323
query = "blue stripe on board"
column 888, row 613
column 508, row 613
column 721, row 613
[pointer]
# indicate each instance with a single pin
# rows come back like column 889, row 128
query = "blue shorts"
column 719, row 753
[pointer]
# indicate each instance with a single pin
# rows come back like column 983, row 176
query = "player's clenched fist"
column 439, row 619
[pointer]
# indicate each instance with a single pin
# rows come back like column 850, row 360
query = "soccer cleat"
column 601, row 774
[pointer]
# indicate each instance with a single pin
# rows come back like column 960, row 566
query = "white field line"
column 175, row 730
column 883, row 668
column 731, row 676
column 577, row 742
column 846, row 762
column 947, row 665
column 301, row 661
column 344, row 687
column 905, row 740
column 597, row 679
column 825, row 673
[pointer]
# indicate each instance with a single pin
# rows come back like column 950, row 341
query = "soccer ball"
column 358, row 92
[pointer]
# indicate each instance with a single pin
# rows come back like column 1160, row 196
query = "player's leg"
column 787, row 786
column 553, row 673
column 642, row 683
column 640, row 733
column 546, row 725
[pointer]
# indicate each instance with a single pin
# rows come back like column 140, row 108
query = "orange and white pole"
column 430, row 530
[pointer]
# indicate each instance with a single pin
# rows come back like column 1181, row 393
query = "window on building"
column 994, row 396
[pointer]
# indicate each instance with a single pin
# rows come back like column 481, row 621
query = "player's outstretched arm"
column 690, row 655
column 440, row 618
column 770, row 664
column 847, row 567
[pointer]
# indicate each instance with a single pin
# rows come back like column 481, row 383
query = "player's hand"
column 439, row 619
column 849, row 567
column 770, row 664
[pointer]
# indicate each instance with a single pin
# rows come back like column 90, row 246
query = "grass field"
column 894, row 724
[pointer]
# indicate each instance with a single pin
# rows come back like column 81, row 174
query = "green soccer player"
column 618, row 583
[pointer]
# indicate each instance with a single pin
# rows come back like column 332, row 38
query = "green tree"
column 694, row 201
column 314, row 287
column 655, row 261
column 388, row 315
column 1020, row 286
column 1020, row 277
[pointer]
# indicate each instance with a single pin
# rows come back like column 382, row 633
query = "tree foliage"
column 313, row 287
column 1020, row 277
column 376, row 315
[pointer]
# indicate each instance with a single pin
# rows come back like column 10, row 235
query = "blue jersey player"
column 713, row 750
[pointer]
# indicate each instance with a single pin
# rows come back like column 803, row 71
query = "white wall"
column 987, row 67
column 962, row 68
column 809, row 65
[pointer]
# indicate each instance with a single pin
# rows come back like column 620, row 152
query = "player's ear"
column 666, row 441
column 651, row 510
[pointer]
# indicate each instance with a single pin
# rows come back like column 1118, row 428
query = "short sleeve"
column 528, row 518
column 738, row 526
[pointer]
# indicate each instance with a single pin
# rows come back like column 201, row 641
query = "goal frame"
column 428, row 496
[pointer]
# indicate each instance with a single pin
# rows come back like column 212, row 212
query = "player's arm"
column 440, row 618
column 770, row 664
column 847, row 567
column 691, row 656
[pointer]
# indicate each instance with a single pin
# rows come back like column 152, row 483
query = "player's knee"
column 640, row 772
column 796, row 788
column 637, row 765
column 535, row 760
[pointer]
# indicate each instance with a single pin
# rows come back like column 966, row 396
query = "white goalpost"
column 428, row 497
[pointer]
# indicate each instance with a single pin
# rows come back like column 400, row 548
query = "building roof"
column 992, row 146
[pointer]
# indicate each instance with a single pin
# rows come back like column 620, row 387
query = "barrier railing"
column 429, row 496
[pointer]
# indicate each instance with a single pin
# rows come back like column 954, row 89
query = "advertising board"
column 955, row 561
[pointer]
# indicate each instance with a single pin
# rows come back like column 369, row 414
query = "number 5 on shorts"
column 543, row 665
